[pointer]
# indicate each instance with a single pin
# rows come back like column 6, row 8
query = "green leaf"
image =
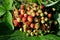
column 39, row 2
column 32, row 1
column 2, row 10
column 58, row 33
column 7, row 4
column 7, row 19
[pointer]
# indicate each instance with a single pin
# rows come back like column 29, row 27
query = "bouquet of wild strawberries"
column 34, row 19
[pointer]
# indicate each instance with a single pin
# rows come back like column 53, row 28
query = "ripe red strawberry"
column 42, row 6
column 49, row 15
column 32, row 25
column 22, row 6
column 22, row 11
column 21, row 16
column 24, row 19
column 26, row 15
column 15, row 23
column 30, row 18
column 28, row 23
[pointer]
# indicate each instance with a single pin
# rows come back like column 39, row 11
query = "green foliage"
column 2, row 10
column 7, row 19
column 7, row 4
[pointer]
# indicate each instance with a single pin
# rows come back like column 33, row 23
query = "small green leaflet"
column 7, row 19
column 2, row 10
column 7, row 4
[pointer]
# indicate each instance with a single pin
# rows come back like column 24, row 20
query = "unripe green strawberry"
column 27, row 34
column 45, row 13
column 36, row 19
column 42, row 21
column 20, row 29
column 46, row 19
column 36, row 33
column 33, row 14
column 46, row 24
column 32, row 34
column 29, row 31
column 55, row 22
column 28, row 12
column 39, row 11
column 53, row 9
column 24, row 28
column 41, row 14
column 35, row 9
column 37, row 25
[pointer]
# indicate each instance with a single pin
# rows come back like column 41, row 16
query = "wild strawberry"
column 36, row 33
column 28, row 12
column 32, row 34
column 30, row 18
column 21, row 16
column 42, row 18
column 35, row 5
column 42, row 21
column 24, row 19
column 37, row 25
column 46, row 19
column 36, row 19
column 16, row 11
column 45, row 13
column 28, row 23
column 55, row 22
column 22, row 11
column 53, row 9
column 22, row 6
column 35, row 9
column 42, row 6
column 18, row 20
column 49, row 15
column 28, row 8
column 41, row 14
column 32, row 25
column 15, row 23
column 24, row 27
column 20, row 29
column 29, row 31
column 33, row 14
column 26, row 15
column 39, row 11
column 37, row 14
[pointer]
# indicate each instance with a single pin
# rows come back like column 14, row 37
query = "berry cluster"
column 34, row 19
